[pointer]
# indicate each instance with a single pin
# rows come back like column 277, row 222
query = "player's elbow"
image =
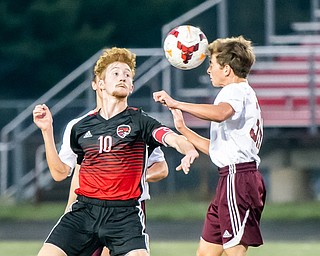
column 222, row 117
column 58, row 176
column 157, row 172
column 224, row 113
column 59, row 172
column 164, row 172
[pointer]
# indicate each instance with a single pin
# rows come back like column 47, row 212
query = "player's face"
column 118, row 80
column 216, row 72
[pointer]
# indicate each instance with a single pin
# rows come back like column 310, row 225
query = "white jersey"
column 237, row 139
column 68, row 157
column 157, row 155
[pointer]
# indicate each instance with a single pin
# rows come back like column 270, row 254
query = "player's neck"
column 110, row 110
column 234, row 80
column 237, row 80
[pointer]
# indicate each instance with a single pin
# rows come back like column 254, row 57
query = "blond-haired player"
column 112, row 147
column 157, row 165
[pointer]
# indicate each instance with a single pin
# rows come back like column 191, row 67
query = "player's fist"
column 42, row 117
column 165, row 99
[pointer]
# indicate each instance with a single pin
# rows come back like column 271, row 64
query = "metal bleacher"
column 286, row 78
column 286, row 74
column 287, row 83
column 24, row 170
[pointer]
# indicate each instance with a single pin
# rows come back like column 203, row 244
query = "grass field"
column 176, row 208
column 14, row 248
column 160, row 208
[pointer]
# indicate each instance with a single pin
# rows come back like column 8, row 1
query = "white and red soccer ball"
column 185, row 47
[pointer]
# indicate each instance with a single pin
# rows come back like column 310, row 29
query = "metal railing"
column 271, row 77
column 286, row 80
column 16, row 135
column 303, row 32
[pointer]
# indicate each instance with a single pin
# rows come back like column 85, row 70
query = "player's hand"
column 42, row 117
column 165, row 99
column 178, row 119
column 187, row 161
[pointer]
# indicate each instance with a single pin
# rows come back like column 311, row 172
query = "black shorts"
column 100, row 249
column 118, row 225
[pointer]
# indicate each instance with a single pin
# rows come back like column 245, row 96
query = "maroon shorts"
column 234, row 214
column 98, row 252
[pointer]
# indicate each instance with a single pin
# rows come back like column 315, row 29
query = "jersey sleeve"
column 157, row 155
column 76, row 148
column 233, row 95
column 153, row 132
column 66, row 154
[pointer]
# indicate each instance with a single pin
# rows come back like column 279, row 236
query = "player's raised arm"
column 43, row 119
column 201, row 143
column 209, row 112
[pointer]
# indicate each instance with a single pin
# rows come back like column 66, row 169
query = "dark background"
column 41, row 41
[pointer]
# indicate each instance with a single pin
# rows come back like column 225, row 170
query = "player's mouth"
column 123, row 85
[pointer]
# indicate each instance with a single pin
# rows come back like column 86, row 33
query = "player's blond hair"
column 111, row 55
column 236, row 52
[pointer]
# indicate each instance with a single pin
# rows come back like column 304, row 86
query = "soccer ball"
column 185, row 47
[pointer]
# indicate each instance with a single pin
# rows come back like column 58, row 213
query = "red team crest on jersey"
column 123, row 130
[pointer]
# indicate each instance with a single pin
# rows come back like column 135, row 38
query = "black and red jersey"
column 113, row 153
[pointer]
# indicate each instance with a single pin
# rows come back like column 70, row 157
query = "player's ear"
column 94, row 85
column 101, row 84
column 227, row 70
column 131, row 89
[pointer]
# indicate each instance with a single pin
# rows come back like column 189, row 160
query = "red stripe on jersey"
column 114, row 175
column 159, row 134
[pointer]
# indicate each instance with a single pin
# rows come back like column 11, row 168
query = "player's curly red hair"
column 111, row 55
